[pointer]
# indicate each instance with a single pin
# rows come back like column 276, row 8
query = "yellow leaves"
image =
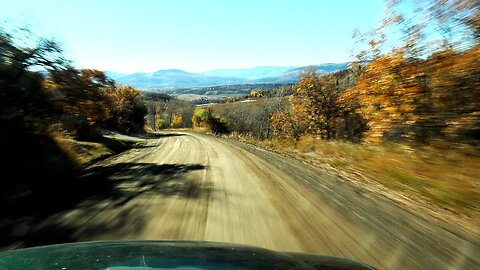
column 391, row 110
column 407, row 98
column 49, row 85
column 410, row 87
column 177, row 121
column 407, row 108
column 384, row 92
column 257, row 94
column 414, row 118
column 281, row 125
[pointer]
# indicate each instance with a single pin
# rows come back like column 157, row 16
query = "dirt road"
column 197, row 187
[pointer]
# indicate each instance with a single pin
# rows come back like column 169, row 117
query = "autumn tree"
column 426, row 86
column 177, row 121
column 22, row 97
column 182, row 112
column 91, row 100
column 315, row 104
column 127, row 111
column 454, row 84
column 283, row 126
column 83, row 95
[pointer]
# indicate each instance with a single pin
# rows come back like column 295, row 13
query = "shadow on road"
column 106, row 189
column 122, row 182
column 164, row 135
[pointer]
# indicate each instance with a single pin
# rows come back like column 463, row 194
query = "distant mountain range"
column 249, row 73
column 171, row 79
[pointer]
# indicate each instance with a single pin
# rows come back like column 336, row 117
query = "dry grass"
column 448, row 178
column 83, row 152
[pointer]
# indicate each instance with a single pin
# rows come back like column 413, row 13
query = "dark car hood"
column 149, row 255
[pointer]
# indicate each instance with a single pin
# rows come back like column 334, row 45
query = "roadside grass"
column 85, row 153
column 446, row 176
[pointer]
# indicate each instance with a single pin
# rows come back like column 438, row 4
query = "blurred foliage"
column 90, row 101
column 33, row 161
column 421, row 100
column 42, row 96
column 424, row 89
column 427, row 87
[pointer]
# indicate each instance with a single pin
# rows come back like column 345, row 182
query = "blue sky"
column 195, row 35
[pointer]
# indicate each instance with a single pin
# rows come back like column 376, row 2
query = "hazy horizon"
column 233, row 68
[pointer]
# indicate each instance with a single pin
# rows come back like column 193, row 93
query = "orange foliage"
column 421, row 99
column 282, row 126
column 315, row 104
column 82, row 92
column 413, row 94
column 177, row 121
